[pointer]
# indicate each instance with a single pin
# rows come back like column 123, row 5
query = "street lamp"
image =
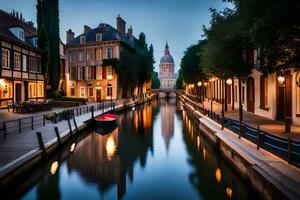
column 109, row 85
column 199, row 83
column 229, row 81
column 281, row 79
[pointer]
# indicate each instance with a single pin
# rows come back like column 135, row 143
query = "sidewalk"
column 268, row 125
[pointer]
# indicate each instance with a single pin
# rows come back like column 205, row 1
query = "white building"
column 167, row 75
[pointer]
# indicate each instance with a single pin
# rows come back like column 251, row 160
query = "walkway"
column 268, row 125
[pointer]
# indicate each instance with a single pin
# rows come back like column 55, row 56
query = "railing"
column 286, row 149
column 19, row 126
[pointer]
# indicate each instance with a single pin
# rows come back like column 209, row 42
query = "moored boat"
column 107, row 120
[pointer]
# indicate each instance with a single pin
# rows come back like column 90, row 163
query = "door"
column 250, row 94
column 18, row 92
column 98, row 95
column 284, row 99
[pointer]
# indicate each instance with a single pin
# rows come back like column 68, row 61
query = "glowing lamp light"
column 54, row 168
column 199, row 83
column 229, row 81
column 1, row 81
column 229, row 192
column 205, row 83
column 72, row 148
column 218, row 175
column 281, row 79
column 110, row 147
column 109, row 77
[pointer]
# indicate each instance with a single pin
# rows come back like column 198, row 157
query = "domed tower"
column 167, row 74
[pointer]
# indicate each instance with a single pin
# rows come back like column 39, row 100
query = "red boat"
column 107, row 120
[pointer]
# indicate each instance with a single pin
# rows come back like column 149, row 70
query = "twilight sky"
column 178, row 21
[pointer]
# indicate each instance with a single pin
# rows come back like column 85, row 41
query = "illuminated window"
column 80, row 73
column 109, row 72
column 89, row 56
column 24, row 63
column 5, row 58
column 32, row 90
column 40, row 90
column 99, row 73
column 82, row 92
column 17, row 59
column 98, row 54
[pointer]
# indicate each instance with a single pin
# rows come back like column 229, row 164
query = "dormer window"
column 18, row 32
column 34, row 40
column 82, row 39
column 98, row 37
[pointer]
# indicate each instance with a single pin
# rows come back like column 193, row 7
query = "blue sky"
column 178, row 21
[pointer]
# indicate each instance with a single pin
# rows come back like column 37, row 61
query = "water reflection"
column 132, row 162
column 167, row 111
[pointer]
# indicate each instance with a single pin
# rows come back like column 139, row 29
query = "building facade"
column 275, row 96
column 91, row 58
column 167, row 74
column 21, row 76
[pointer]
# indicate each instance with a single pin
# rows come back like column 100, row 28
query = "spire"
column 167, row 52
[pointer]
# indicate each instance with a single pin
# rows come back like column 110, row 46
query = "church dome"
column 167, row 58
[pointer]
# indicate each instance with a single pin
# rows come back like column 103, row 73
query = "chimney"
column 70, row 36
column 86, row 28
column 121, row 25
column 130, row 32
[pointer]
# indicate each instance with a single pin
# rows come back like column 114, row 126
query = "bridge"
column 167, row 91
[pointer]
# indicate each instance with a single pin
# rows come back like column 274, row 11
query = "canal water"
column 155, row 153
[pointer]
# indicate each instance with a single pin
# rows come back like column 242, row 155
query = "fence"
column 19, row 126
column 286, row 149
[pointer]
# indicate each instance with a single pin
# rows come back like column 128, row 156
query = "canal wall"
column 23, row 164
column 269, row 175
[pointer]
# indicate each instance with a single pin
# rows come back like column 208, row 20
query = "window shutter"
column 104, row 72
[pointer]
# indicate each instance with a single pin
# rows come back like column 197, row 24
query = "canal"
column 155, row 153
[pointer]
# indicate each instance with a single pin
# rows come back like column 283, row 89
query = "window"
column 80, row 73
column 24, row 63
column 82, row 92
column 32, row 64
column 32, row 90
column 109, row 72
column 72, row 57
column 108, row 53
column 99, row 73
column 263, row 92
column 35, row 43
column 74, row 73
column 5, row 58
column 17, row 59
column 98, row 54
column 40, row 90
column 81, row 55
column 72, row 92
column 90, row 73
column 91, row 92
column 109, row 91
column 98, row 37
column 89, row 56
column 39, row 69
column 82, row 39
column 21, row 34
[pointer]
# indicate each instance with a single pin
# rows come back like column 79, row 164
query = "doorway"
column 250, row 94
column 18, row 92
column 284, row 99
column 98, row 95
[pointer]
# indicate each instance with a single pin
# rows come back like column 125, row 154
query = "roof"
column 108, row 32
column 167, row 59
column 8, row 21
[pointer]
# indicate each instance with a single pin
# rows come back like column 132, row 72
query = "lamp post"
column 109, row 85
column 199, row 85
column 229, row 83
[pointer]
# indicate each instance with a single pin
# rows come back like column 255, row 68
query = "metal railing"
column 286, row 149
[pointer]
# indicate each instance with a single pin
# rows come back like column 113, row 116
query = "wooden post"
column 242, row 129
column 44, row 120
column 288, row 122
column 57, row 135
column 92, row 112
column 40, row 140
column 70, row 127
column 74, row 120
column 223, row 103
column 20, row 126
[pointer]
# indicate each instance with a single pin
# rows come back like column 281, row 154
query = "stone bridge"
column 165, row 92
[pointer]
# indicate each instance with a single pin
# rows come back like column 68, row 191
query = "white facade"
column 167, row 74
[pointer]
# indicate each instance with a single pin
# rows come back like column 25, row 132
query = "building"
column 167, row 74
column 91, row 59
column 275, row 96
column 21, row 76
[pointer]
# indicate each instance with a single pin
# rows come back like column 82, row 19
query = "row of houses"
column 274, row 96
column 87, row 69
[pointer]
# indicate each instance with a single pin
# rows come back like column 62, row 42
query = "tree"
column 155, row 80
column 179, row 80
column 48, row 16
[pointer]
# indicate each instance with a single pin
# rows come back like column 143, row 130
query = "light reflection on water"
column 156, row 153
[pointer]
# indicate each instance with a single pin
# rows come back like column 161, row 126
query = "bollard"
column 4, row 129
column 92, row 112
column 75, row 124
column 258, row 137
column 40, row 140
column 242, row 129
column 32, row 123
column 288, row 122
column 70, row 127
column 44, row 120
column 19, row 126
column 57, row 135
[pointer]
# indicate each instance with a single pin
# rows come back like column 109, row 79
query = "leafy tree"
column 155, row 80
column 179, row 80
column 191, row 64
